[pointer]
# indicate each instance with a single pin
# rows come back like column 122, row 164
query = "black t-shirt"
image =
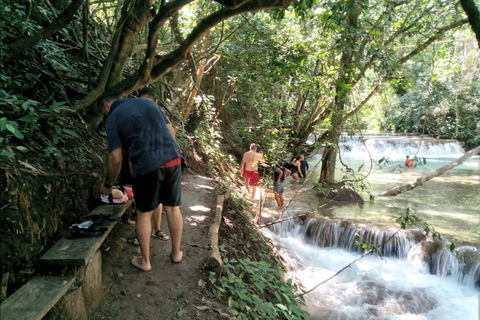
column 275, row 175
column 141, row 126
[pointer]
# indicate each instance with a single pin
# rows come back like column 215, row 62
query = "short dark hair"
column 146, row 91
column 108, row 99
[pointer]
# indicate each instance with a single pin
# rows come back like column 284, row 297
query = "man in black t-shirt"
column 141, row 126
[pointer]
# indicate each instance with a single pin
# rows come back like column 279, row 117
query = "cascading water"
column 397, row 147
column 398, row 287
column 417, row 279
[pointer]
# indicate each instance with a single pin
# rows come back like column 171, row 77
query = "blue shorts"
column 278, row 187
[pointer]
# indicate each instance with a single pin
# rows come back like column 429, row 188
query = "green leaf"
column 29, row 118
column 281, row 307
column 7, row 154
column 25, row 106
column 58, row 130
column 452, row 246
column 18, row 134
column 55, row 139
column 3, row 123
column 10, row 127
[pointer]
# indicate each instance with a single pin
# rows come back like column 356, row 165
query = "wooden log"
column 215, row 259
column 35, row 298
column 435, row 173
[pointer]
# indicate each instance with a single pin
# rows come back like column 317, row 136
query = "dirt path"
column 168, row 291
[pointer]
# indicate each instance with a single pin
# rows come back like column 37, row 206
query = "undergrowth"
column 251, row 281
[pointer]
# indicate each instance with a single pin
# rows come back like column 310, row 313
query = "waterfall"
column 423, row 253
column 396, row 148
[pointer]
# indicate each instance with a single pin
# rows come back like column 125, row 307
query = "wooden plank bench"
column 49, row 296
column 78, row 252
column 35, row 298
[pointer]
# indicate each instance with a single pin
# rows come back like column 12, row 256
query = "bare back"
column 251, row 159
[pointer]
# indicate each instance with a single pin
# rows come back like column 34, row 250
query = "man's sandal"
column 134, row 241
column 160, row 235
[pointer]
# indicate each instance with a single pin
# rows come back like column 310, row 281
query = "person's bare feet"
column 177, row 257
column 137, row 262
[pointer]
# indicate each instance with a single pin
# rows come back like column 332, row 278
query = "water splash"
column 373, row 288
column 395, row 147
column 423, row 253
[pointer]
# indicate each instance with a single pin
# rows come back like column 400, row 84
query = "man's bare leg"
column 254, row 189
column 175, row 225
column 247, row 186
column 143, row 228
column 277, row 198
column 157, row 219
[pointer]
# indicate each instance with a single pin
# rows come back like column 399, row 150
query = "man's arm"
column 280, row 174
column 113, row 169
column 171, row 129
column 242, row 164
column 288, row 173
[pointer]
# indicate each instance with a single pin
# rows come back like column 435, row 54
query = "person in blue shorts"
column 281, row 173
column 141, row 126
column 303, row 166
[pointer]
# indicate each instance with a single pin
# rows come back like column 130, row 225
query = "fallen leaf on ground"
column 202, row 307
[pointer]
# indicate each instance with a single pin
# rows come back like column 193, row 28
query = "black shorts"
column 162, row 185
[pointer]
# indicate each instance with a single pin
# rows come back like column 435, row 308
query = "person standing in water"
column 408, row 162
column 249, row 168
column 281, row 173
column 302, row 166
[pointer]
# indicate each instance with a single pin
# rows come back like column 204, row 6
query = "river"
column 418, row 278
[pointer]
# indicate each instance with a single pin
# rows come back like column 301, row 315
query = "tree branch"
column 401, row 61
column 61, row 21
column 162, row 64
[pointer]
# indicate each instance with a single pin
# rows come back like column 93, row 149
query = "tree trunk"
column 327, row 173
column 473, row 15
column 341, row 94
column 435, row 173
column 198, row 76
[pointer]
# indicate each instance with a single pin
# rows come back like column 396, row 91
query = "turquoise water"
column 451, row 202
column 389, row 288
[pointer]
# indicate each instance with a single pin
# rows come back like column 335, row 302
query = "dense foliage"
column 444, row 86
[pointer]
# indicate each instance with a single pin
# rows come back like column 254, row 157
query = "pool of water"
column 450, row 202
